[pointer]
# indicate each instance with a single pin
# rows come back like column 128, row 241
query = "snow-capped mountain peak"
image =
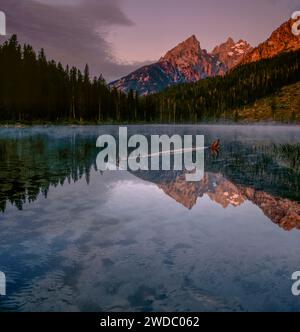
column 232, row 53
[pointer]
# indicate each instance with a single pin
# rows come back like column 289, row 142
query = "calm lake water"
column 75, row 239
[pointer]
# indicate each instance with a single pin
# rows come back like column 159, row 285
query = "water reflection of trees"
column 256, row 166
column 272, row 168
column 30, row 165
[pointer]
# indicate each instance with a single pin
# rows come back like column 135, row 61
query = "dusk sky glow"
column 117, row 36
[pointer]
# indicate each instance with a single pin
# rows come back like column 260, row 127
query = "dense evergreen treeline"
column 220, row 97
column 35, row 89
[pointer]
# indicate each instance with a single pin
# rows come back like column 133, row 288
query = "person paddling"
column 215, row 145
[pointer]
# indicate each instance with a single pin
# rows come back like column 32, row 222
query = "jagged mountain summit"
column 192, row 62
column 185, row 63
column 232, row 53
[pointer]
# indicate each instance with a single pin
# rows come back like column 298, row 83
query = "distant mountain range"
column 185, row 63
column 188, row 62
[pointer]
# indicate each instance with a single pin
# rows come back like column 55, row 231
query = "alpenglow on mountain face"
column 185, row 63
column 231, row 53
column 281, row 40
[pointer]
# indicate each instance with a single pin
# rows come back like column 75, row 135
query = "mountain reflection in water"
column 73, row 239
column 284, row 212
column 265, row 173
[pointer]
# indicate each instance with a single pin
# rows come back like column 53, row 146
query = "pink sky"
column 116, row 37
column 159, row 25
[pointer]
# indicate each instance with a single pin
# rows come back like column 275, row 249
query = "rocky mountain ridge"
column 188, row 62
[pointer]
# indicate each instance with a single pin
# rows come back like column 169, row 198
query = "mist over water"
column 76, row 239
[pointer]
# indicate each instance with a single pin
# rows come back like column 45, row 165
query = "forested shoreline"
column 34, row 89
